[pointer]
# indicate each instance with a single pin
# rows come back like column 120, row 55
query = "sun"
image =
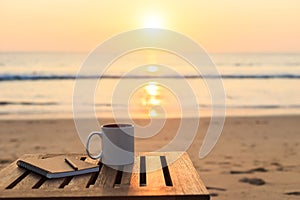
column 153, row 21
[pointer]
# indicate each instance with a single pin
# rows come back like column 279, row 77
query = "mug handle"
column 100, row 134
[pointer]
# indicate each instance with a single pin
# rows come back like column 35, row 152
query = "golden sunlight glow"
column 153, row 21
column 152, row 88
column 153, row 100
column 150, row 98
column 255, row 26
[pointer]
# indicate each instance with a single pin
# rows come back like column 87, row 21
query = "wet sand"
column 255, row 157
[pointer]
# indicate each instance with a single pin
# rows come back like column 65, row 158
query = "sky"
column 217, row 25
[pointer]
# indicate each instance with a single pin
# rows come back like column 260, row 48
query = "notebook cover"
column 56, row 167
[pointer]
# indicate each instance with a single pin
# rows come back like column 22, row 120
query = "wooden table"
column 178, row 180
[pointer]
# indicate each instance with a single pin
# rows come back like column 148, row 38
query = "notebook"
column 58, row 166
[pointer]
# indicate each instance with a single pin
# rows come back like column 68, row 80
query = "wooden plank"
column 198, row 181
column 51, row 184
column 154, row 173
column 151, row 153
column 176, row 182
column 106, row 177
column 131, row 174
column 28, row 182
column 98, row 193
column 126, row 176
column 12, row 172
column 80, row 182
column 184, row 175
column 135, row 176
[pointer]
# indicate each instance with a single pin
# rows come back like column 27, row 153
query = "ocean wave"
column 73, row 77
column 258, row 64
column 277, row 106
column 27, row 103
column 271, row 106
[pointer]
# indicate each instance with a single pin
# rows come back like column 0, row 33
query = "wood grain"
column 51, row 184
column 28, row 182
column 184, row 175
column 186, row 183
column 135, row 176
column 80, row 182
column 106, row 177
column 12, row 172
column 155, row 176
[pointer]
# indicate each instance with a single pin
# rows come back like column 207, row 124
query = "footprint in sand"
column 261, row 122
column 253, row 181
column 39, row 148
column 293, row 193
column 216, row 188
column 214, row 194
column 250, row 171
column 278, row 166
column 5, row 161
column 13, row 140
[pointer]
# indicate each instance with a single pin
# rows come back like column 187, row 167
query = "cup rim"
column 117, row 125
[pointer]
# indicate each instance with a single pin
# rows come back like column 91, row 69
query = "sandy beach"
column 255, row 157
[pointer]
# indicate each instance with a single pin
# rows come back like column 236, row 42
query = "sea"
column 41, row 85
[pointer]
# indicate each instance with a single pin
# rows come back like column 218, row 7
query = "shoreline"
column 64, row 117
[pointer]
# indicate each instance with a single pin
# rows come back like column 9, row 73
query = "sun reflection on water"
column 153, row 100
